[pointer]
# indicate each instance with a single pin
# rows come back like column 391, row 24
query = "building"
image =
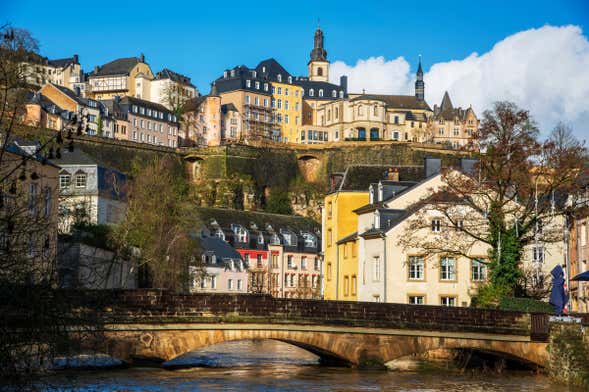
column 130, row 76
column 223, row 270
column 201, row 123
column 28, row 213
column 454, row 127
column 89, row 192
column 578, row 246
column 348, row 192
column 143, row 121
column 171, row 89
column 64, row 72
column 272, row 103
column 282, row 252
column 395, row 263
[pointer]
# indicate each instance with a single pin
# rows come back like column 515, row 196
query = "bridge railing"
column 132, row 306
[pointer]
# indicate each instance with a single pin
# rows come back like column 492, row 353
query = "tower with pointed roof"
column 318, row 64
column 419, row 84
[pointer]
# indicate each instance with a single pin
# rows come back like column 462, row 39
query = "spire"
column 419, row 84
column 446, row 103
column 318, row 53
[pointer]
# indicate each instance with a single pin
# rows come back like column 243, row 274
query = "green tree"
column 279, row 203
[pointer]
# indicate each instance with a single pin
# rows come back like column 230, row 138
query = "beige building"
column 64, row 72
column 452, row 126
column 171, row 89
column 125, row 76
column 416, row 256
column 201, row 121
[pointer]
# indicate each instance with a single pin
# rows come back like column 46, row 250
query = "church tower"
column 419, row 84
column 318, row 64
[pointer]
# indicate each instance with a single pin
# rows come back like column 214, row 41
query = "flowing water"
column 268, row 365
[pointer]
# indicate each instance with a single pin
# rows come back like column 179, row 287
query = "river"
column 268, row 365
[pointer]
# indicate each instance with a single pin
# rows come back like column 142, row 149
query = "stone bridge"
column 160, row 326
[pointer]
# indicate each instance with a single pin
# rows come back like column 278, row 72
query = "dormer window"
column 290, row 79
column 240, row 233
column 254, row 74
column 380, row 191
column 377, row 220
column 264, row 68
column 334, row 94
column 260, row 239
column 248, row 83
column 275, row 239
column 371, row 194
column 320, row 92
column 219, row 234
column 290, row 238
column 310, row 240
column 279, row 77
column 311, row 93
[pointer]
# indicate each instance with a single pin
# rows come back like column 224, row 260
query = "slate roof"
column 389, row 218
column 71, row 94
column 273, row 68
column 396, row 101
column 448, row 112
column 327, row 88
column 226, row 217
column 220, row 248
column 348, row 238
column 359, row 177
column 228, row 107
column 120, row 66
column 193, row 103
column 76, row 157
column 62, row 63
column 174, row 76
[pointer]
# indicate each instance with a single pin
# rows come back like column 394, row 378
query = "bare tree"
column 513, row 197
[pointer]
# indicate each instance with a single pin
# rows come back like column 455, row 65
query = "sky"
column 532, row 52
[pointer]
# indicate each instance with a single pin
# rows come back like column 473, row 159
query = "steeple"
column 318, row 64
column 318, row 53
column 446, row 103
column 419, row 84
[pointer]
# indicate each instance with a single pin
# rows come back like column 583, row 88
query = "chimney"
column 96, row 69
column 142, row 58
column 75, row 58
column 392, row 174
column 432, row 166
column 213, row 89
column 343, row 82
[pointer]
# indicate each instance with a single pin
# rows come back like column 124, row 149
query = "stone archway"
column 309, row 166
column 194, row 166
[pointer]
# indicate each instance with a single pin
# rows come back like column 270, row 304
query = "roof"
column 120, row 66
column 62, row 63
column 348, row 238
column 389, row 218
column 142, row 102
column 396, row 101
column 226, row 217
column 174, row 76
column 220, row 248
column 26, row 148
column 448, row 112
column 76, row 157
column 228, row 107
column 194, row 103
column 327, row 88
column 71, row 94
column 359, row 177
column 273, row 69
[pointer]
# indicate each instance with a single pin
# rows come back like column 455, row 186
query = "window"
column 279, row 90
column 239, row 284
column 247, row 99
column 289, row 264
column 279, row 77
column 416, row 299
column 329, row 237
column 213, row 282
column 280, row 104
column 64, row 181
column 257, row 85
column 230, row 284
column 538, row 254
column 375, row 110
column 360, row 110
column 346, row 286
column 328, row 271
column 376, row 269
column 478, row 270
column 47, row 197
column 320, row 91
column 248, row 83
column 203, row 282
column 416, row 268
column 81, row 180
column 246, row 257
column 316, row 264
column 436, row 225
column 259, row 261
column 256, row 101
column 447, row 268
column 448, row 301
column 456, row 131
column 291, row 278
column 311, row 92
column 441, row 131
column 304, row 263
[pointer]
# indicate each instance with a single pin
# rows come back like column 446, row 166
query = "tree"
column 34, row 317
column 157, row 228
column 279, row 203
column 512, row 198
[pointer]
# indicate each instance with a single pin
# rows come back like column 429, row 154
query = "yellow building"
column 347, row 268
column 125, row 76
column 287, row 102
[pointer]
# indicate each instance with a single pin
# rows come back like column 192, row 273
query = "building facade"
column 125, row 76
column 171, row 89
column 201, row 121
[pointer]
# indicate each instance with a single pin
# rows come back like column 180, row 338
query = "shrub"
column 525, row 305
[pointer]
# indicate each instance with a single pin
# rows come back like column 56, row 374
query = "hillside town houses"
column 264, row 103
column 360, row 251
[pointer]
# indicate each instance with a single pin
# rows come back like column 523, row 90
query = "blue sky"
column 201, row 39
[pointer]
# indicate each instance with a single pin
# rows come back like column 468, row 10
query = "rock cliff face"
column 244, row 176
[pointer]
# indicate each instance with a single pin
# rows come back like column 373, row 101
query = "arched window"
column 334, row 94
column 279, row 77
column 320, row 71
column 341, row 94
column 311, row 92
column 360, row 110
column 320, row 92
column 290, row 79
column 336, row 113
column 328, row 115
column 375, row 110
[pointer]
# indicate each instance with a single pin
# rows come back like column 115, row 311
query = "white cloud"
column 545, row 70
